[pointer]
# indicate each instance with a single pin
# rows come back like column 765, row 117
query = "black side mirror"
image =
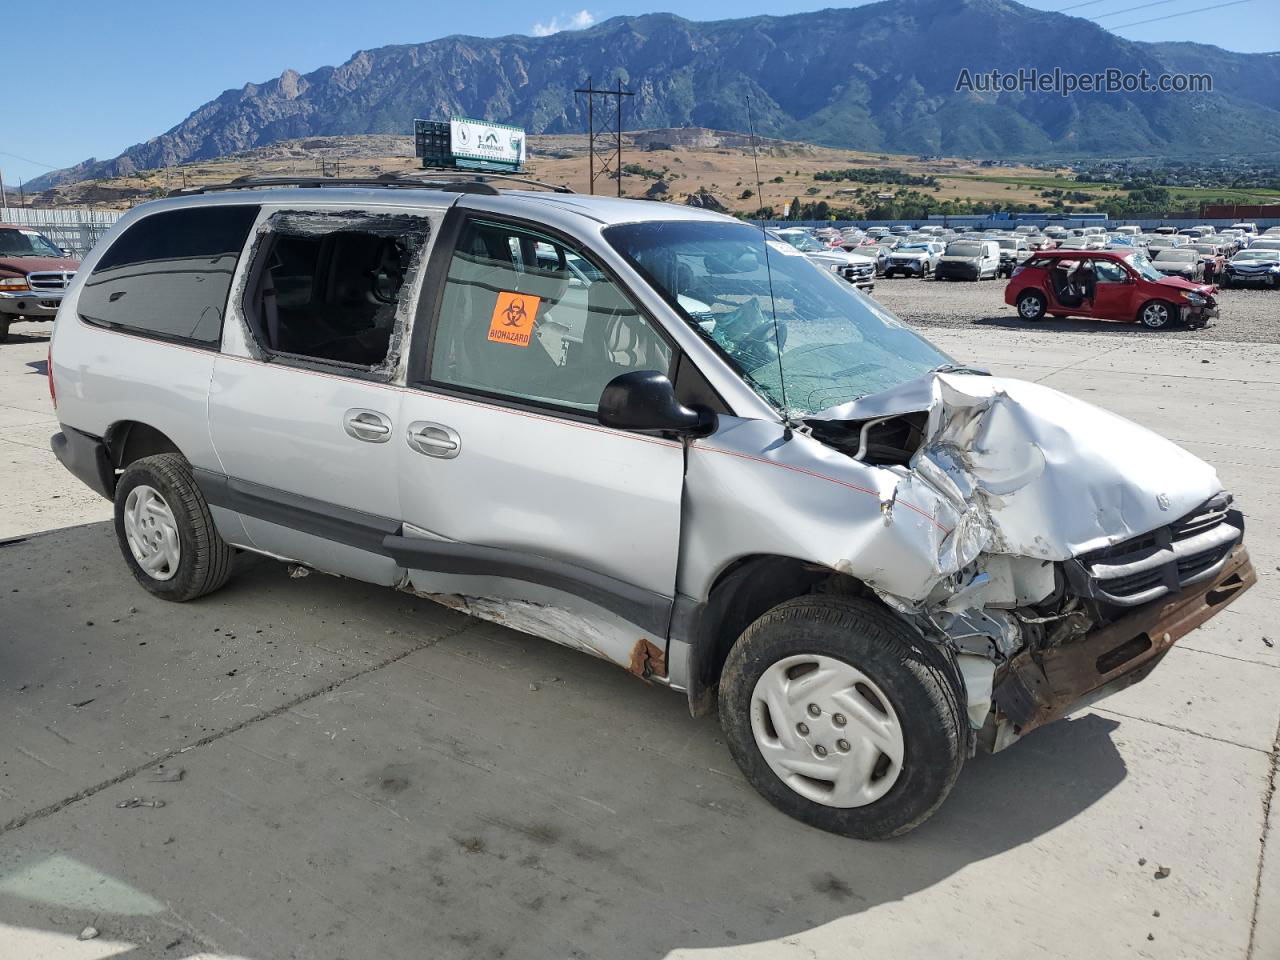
column 646, row 400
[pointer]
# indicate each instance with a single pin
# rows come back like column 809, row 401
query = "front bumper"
column 1262, row 278
column 32, row 304
column 1040, row 687
column 914, row 268
column 1194, row 316
column 947, row 271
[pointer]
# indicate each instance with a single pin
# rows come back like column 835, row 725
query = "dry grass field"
column 786, row 170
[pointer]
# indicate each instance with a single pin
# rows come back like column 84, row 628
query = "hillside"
column 880, row 77
column 671, row 165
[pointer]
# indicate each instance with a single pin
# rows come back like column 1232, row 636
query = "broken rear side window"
column 334, row 288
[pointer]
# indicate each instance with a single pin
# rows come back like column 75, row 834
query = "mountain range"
column 875, row 77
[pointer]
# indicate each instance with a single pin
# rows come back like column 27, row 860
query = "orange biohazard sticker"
column 512, row 320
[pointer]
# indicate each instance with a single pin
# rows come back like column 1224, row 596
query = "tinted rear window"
column 168, row 275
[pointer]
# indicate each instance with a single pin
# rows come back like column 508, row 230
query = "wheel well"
column 742, row 593
column 130, row 440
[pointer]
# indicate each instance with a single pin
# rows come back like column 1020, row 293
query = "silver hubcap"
column 1155, row 315
column 152, row 533
column 827, row 730
column 1030, row 307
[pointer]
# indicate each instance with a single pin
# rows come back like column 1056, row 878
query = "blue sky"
column 105, row 80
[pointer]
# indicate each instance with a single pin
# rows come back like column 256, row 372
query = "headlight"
column 14, row 284
column 1195, row 299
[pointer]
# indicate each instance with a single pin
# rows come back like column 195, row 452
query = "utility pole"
column 610, row 156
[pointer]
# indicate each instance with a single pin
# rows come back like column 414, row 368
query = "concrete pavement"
column 364, row 774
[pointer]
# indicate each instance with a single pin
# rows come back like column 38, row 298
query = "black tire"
column 1157, row 315
column 4, row 328
column 205, row 559
column 1032, row 299
column 920, row 684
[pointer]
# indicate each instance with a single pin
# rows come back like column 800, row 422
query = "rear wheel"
column 1157, row 315
column 842, row 717
column 165, row 531
column 1031, row 305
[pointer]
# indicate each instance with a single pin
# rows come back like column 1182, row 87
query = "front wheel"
column 1157, row 315
column 165, row 531
column 842, row 717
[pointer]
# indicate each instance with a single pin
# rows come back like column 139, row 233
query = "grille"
column 49, row 281
column 1166, row 560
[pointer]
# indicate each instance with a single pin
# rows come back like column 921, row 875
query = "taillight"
column 48, row 367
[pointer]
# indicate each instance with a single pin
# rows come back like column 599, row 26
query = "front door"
column 1113, row 291
column 518, row 505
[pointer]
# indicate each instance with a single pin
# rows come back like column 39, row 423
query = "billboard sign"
column 488, row 143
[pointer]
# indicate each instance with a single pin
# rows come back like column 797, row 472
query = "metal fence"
column 75, row 229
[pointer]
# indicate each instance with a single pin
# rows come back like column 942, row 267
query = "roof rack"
column 459, row 183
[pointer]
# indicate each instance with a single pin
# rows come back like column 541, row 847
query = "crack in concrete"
column 23, row 819
column 1180, row 729
column 1267, row 799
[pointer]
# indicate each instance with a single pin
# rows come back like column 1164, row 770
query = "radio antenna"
column 768, row 269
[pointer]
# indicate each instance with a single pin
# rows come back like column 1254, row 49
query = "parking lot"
column 312, row 767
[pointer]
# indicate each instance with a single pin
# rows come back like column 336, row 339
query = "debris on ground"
column 1268, row 641
column 1142, row 861
column 1152, row 936
column 1155, row 913
column 297, row 571
column 161, row 774
column 1162, row 872
column 533, row 688
column 84, row 703
column 88, row 933
column 139, row 802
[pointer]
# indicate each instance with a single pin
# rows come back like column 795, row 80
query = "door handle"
column 434, row 439
column 367, row 425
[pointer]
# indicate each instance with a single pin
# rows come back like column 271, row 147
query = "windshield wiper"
column 960, row 368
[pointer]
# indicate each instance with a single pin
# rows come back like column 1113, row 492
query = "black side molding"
column 305, row 514
column 88, row 458
column 648, row 610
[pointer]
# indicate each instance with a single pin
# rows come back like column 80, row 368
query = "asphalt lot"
column 365, row 774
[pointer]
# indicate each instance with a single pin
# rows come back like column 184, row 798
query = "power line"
column 47, row 166
column 1185, row 13
column 1141, row 6
column 1077, row 6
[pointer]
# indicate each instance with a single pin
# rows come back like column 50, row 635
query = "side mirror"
column 646, row 400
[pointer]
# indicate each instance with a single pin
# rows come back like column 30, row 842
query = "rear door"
column 516, row 502
column 305, row 399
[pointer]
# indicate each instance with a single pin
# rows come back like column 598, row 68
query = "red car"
column 1107, row 285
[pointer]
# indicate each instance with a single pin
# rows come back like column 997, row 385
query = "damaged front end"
column 1078, row 546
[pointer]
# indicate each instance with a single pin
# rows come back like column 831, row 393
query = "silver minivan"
column 647, row 432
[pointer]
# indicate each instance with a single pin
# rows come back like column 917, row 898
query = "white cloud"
column 573, row 21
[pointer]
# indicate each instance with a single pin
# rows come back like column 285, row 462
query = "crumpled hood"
column 1179, row 283
column 1033, row 472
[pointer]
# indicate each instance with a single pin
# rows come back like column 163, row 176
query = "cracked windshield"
column 803, row 338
